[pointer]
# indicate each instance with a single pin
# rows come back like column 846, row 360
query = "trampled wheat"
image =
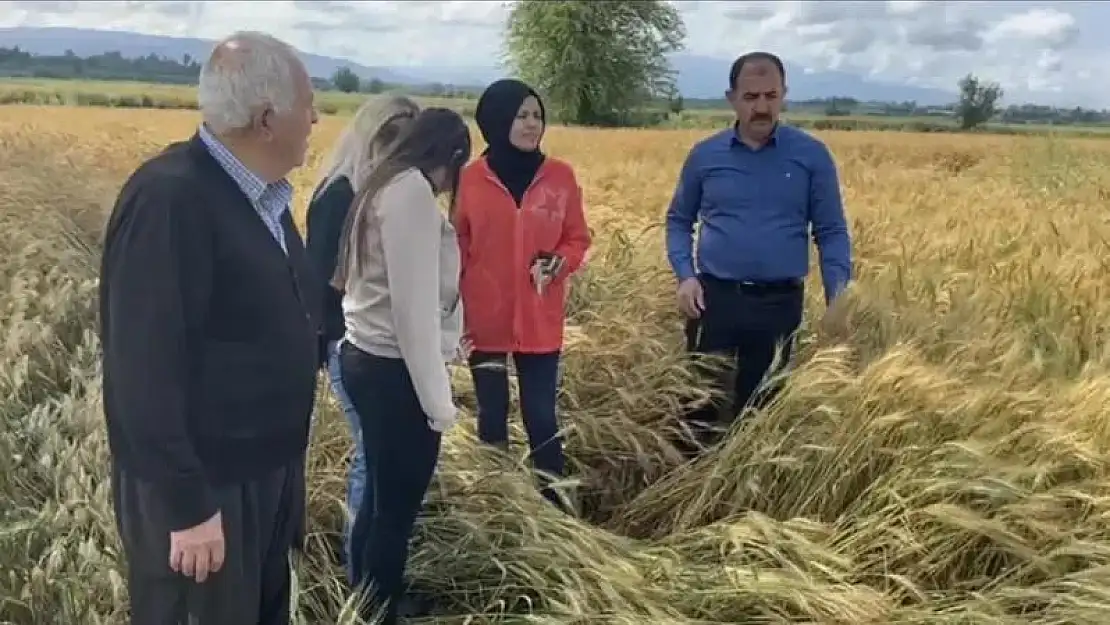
column 945, row 461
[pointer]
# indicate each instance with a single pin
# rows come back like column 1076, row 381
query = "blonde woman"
column 375, row 127
column 399, row 271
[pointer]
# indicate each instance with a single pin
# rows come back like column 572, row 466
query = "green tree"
column 595, row 62
column 345, row 80
column 978, row 102
column 375, row 85
column 676, row 104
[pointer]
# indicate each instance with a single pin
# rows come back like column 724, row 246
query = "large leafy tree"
column 978, row 101
column 595, row 62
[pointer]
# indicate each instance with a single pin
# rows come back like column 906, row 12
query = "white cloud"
column 1047, row 51
column 1040, row 26
column 1037, row 51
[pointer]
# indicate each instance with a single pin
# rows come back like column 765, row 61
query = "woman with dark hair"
column 398, row 269
column 522, row 233
column 377, row 124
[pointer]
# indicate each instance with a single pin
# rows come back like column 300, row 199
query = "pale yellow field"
column 943, row 461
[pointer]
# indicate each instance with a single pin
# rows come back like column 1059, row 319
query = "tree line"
column 598, row 63
column 17, row 63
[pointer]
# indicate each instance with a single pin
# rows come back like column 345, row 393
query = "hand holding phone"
column 545, row 267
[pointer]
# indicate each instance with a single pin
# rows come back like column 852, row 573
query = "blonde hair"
column 437, row 139
column 363, row 141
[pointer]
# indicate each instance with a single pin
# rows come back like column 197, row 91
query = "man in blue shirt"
column 757, row 191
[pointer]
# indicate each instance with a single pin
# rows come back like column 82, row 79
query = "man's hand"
column 835, row 324
column 691, row 298
column 199, row 550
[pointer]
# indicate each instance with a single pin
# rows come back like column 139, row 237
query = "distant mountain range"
column 698, row 76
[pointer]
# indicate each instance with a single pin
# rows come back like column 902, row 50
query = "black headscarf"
column 496, row 111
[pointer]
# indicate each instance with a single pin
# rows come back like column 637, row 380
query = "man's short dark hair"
column 738, row 65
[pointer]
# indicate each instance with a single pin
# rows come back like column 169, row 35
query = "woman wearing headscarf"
column 522, row 233
column 375, row 127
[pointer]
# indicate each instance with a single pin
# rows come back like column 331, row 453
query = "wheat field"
column 944, row 460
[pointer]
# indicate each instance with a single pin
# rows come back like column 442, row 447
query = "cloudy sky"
column 1045, row 51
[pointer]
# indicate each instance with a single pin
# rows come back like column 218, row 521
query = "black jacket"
column 210, row 334
column 326, row 214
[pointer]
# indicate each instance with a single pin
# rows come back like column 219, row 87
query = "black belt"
column 789, row 285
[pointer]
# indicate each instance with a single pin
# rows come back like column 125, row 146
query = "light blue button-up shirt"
column 756, row 208
column 270, row 200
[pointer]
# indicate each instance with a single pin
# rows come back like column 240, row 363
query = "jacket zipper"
column 518, row 249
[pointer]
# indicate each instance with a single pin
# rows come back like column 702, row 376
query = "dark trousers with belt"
column 538, row 376
column 262, row 520
column 748, row 322
column 401, row 452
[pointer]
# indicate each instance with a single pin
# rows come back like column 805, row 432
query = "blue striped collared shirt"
column 270, row 200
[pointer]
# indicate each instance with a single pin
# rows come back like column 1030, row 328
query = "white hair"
column 246, row 72
column 361, row 144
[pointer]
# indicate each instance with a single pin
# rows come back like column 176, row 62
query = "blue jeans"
column 403, row 452
column 356, row 476
column 538, row 375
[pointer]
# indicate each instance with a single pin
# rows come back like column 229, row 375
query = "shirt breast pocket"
column 791, row 190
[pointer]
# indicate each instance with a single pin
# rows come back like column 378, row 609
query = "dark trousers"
column 747, row 322
column 262, row 519
column 538, row 375
column 401, row 452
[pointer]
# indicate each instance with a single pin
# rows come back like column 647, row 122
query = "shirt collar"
column 772, row 140
column 253, row 186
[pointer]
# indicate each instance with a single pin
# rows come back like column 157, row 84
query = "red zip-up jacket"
column 502, row 312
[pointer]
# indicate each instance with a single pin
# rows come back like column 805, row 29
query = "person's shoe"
column 411, row 606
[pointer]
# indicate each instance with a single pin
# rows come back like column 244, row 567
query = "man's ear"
column 262, row 122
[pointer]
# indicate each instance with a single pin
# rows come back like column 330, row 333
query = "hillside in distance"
column 698, row 76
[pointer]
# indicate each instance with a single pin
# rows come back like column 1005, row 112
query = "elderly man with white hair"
column 211, row 341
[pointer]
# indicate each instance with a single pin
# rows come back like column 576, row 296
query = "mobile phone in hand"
column 539, row 276
column 545, row 266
